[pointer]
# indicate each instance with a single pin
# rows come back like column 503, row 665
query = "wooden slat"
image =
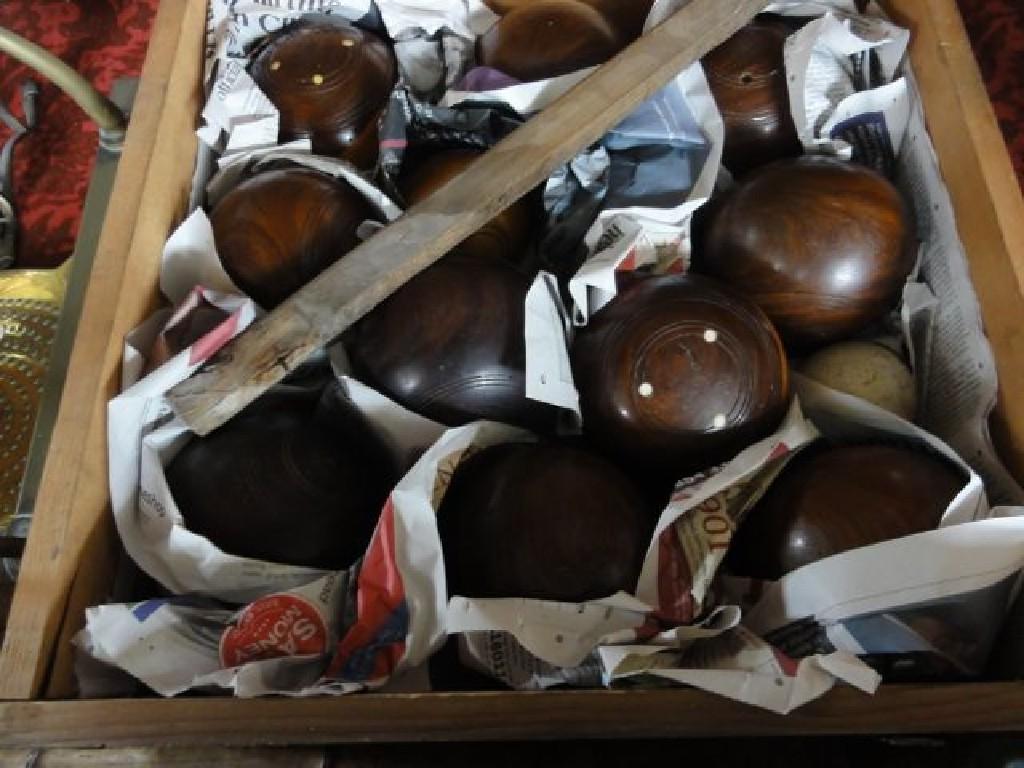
column 90, row 586
column 72, row 503
column 351, row 287
column 156, row 757
column 985, row 193
column 897, row 709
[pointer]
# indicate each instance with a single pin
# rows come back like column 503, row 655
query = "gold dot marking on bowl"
column 348, row 42
column 318, row 79
column 275, row 65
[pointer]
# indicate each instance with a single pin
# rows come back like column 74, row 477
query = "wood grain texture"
column 265, row 353
column 833, row 499
column 559, row 715
column 156, row 757
column 98, row 558
column 507, row 235
column 823, row 246
column 449, row 344
column 298, row 479
column 62, row 554
column 72, row 504
column 747, row 77
column 330, row 82
column 278, row 229
column 6, row 595
column 985, row 193
column 547, row 39
column 536, row 498
column 679, row 372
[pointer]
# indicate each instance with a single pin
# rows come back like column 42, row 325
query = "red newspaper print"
column 375, row 644
column 274, row 626
column 675, row 600
column 779, row 451
column 628, row 264
column 205, row 348
column 788, row 665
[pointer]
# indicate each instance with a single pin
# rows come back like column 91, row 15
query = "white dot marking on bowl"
column 710, row 335
column 275, row 65
column 719, row 422
column 348, row 42
column 318, row 79
column 645, row 389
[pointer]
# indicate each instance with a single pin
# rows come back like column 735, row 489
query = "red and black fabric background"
column 106, row 39
column 103, row 40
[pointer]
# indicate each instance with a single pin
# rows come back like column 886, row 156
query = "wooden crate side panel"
column 985, row 194
column 503, row 716
column 90, row 586
column 183, row 757
column 73, row 499
column 161, row 207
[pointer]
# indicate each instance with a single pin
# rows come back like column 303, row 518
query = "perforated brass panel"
column 27, row 328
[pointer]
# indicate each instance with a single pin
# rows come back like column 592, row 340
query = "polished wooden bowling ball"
column 544, row 521
column 548, row 38
column 679, row 373
column 279, row 229
column 450, row 344
column 822, row 246
column 834, row 498
column 501, row 7
column 331, row 82
column 286, row 482
column 507, row 235
column 747, row 77
column 627, row 17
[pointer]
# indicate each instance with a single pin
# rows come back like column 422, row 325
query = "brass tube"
column 99, row 109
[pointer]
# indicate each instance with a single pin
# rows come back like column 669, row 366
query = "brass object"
column 30, row 304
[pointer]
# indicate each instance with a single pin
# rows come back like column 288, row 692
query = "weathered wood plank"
column 159, row 757
column 976, row 166
column 503, row 716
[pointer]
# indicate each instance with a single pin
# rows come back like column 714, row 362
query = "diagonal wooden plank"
column 354, row 285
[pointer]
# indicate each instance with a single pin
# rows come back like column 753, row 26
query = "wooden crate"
column 69, row 561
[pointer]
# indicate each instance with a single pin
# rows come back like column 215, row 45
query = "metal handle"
column 99, row 108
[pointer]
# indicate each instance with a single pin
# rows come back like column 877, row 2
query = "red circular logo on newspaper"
column 274, row 626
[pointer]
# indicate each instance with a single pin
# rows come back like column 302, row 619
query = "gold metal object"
column 30, row 304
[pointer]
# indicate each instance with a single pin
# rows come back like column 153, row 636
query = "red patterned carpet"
column 105, row 39
column 102, row 39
